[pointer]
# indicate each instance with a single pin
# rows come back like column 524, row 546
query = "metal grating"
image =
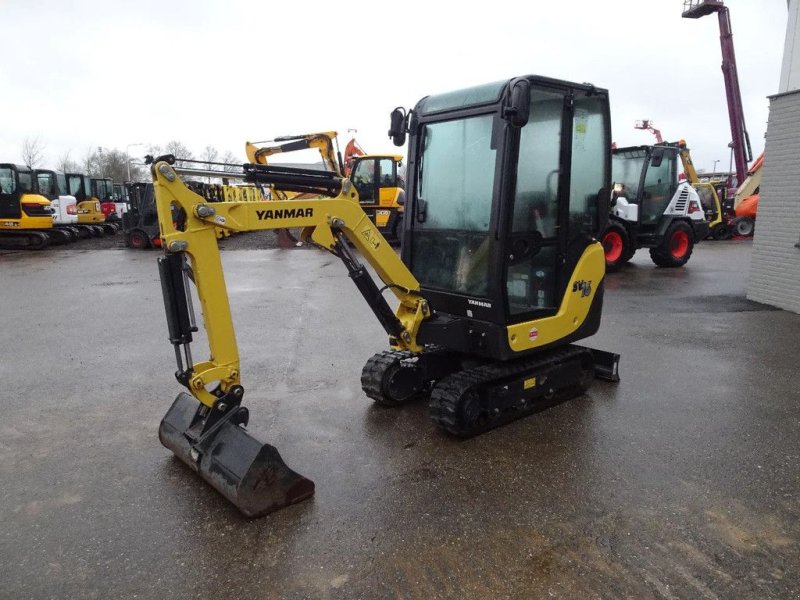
column 694, row 9
column 680, row 204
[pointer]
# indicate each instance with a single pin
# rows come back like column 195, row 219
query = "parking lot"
column 680, row 481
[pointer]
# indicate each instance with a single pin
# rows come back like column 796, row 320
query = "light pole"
column 128, row 156
column 714, row 170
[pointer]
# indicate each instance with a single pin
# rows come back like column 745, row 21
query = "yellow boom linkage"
column 324, row 222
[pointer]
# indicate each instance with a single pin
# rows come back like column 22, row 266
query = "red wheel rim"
column 679, row 244
column 612, row 244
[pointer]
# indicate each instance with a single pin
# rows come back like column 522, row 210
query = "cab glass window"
column 452, row 249
column 626, row 172
column 659, row 186
column 588, row 170
column 363, row 178
column 25, row 182
column 7, row 181
column 531, row 259
column 63, row 190
column 46, row 184
column 387, row 172
column 75, row 185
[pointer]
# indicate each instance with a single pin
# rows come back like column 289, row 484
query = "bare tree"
column 33, row 152
column 178, row 150
column 65, row 163
column 233, row 163
column 110, row 163
column 210, row 154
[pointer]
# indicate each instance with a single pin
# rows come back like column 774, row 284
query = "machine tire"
column 721, row 232
column 744, row 226
column 138, row 240
column 616, row 246
column 676, row 247
column 629, row 254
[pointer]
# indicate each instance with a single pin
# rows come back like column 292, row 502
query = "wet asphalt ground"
column 681, row 481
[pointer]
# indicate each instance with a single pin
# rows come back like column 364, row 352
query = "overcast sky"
column 85, row 74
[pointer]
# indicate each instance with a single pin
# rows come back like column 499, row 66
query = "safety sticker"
column 529, row 383
column 369, row 235
column 533, row 334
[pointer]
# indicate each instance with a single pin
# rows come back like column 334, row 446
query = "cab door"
column 9, row 194
column 563, row 167
column 365, row 176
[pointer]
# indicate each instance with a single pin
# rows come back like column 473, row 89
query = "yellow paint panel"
column 574, row 308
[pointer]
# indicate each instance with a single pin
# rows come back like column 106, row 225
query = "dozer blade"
column 606, row 365
column 249, row 473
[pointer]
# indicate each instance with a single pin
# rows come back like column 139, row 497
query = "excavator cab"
column 380, row 190
column 103, row 190
column 501, row 212
column 89, row 211
column 26, row 217
column 65, row 213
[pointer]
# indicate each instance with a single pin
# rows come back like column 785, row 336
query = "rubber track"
column 449, row 391
column 374, row 370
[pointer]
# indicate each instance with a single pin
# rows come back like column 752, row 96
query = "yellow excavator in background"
column 725, row 220
column 377, row 177
column 500, row 273
column 26, row 218
column 89, row 209
column 322, row 142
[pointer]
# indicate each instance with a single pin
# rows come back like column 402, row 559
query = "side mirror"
column 397, row 128
column 519, row 107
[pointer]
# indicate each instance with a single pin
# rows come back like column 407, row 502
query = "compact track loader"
column 500, row 272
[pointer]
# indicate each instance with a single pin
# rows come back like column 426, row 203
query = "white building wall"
column 775, row 266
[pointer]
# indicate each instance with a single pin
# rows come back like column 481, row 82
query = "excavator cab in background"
column 26, row 217
column 103, row 190
column 651, row 209
column 508, row 186
column 713, row 208
column 65, row 211
column 380, row 190
column 89, row 211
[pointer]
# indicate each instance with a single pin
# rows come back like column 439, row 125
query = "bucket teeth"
column 249, row 473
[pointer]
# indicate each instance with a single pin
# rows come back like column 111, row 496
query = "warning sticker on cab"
column 533, row 334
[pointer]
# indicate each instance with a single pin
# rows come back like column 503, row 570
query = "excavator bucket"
column 249, row 473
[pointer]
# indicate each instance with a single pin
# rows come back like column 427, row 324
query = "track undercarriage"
column 468, row 397
column 35, row 239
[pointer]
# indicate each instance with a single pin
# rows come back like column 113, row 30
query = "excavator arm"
column 205, row 428
column 330, row 223
column 291, row 143
column 686, row 161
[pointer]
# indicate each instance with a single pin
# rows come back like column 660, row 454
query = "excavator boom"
column 205, row 429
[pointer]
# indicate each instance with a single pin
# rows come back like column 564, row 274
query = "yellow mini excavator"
column 508, row 185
